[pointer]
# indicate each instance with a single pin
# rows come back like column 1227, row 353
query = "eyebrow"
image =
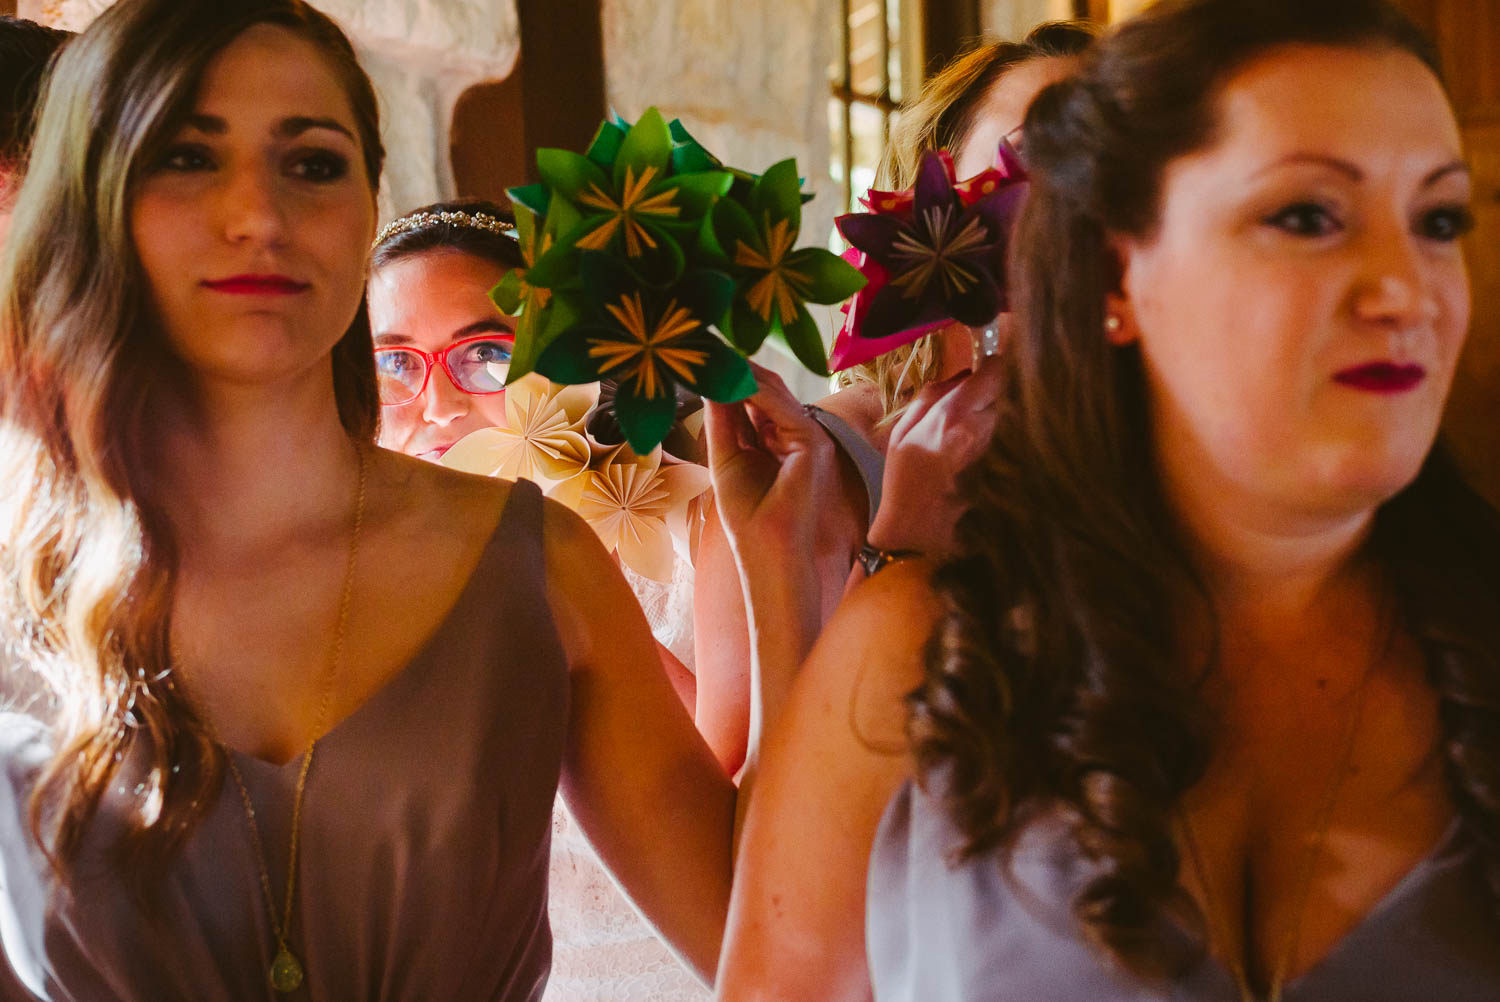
column 482, row 327
column 1353, row 172
column 287, row 128
column 469, row 330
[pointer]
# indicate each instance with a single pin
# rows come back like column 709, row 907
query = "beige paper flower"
column 638, row 507
column 542, row 438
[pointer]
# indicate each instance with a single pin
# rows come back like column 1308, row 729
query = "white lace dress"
column 602, row 950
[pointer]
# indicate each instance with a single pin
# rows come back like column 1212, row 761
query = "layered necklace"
column 286, row 971
column 1218, row 930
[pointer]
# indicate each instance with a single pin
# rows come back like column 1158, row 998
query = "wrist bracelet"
column 872, row 558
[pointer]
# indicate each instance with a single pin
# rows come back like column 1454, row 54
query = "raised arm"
column 828, row 768
column 793, row 518
column 645, row 788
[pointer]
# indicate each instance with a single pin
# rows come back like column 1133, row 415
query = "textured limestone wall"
column 749, row 78
column 421, row 55
column 1014, row 18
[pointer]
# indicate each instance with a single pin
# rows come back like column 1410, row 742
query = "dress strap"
column 866, row 458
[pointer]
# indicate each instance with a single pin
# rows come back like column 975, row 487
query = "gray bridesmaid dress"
column 425, row 833
column 1000, row 930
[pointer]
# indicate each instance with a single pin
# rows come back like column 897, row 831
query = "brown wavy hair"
column 941, row 117
column 87, row 559
column 1054, row 677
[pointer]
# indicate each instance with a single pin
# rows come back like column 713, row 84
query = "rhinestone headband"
column 469, row 220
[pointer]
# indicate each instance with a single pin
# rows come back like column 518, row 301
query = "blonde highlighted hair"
column 87, row 558
column 941, row 117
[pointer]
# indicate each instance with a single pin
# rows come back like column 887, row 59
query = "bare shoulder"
column 858, row 405
column 424, row 500
column 896, row 607
column 872, row 653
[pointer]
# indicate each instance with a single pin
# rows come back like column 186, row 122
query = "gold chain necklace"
column 286, row 971
column 1217, row 925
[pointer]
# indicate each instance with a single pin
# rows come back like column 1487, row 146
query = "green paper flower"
column 644, row 253
column 542, row 314
column 629, row 201
column 775, row 282
column 648, row 341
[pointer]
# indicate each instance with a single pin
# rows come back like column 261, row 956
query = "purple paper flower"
column 935, row 254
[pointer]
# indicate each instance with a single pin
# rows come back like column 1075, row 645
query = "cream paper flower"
column 542, row 438
column 638, row 507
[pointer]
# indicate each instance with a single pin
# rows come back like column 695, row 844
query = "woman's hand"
column 782, row 502
column 944, row 429
column 775, row 474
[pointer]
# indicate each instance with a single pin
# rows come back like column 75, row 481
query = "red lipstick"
column 436, row 453
column 1382, row 377
column 257, row 285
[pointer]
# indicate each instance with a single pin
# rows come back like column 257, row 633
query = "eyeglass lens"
column 478, row 365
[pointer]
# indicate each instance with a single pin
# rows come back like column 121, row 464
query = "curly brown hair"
column 1054, row 676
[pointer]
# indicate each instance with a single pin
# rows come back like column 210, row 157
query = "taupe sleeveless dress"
column 423, row 869
column 993, row 930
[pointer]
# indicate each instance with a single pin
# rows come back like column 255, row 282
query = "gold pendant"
column 286, row 972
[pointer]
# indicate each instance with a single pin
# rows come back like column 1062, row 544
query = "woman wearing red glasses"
column 442, row 350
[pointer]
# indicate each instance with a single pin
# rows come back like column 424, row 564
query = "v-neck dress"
column 422, row 872
column 998, row 928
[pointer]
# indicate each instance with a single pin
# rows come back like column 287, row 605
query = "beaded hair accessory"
column 468, row 220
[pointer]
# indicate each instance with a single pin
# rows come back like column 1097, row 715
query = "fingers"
column 980, row 389
column 777, row 403
column 728, row 430
column 944, row 411
column 915, row 411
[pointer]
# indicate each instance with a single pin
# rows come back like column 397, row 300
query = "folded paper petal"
column 542, row 438
column 850, row 349
column 930, row 255
column 631, row 500
column 685, row 482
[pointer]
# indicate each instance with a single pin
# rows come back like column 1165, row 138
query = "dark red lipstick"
column 1382, row 377
column 257, row 285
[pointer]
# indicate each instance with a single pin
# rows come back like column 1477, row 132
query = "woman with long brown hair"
column 312, row 699
column 1208, row 705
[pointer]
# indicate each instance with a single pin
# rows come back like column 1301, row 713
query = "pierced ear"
column 1119, row 319
column 1118, row 325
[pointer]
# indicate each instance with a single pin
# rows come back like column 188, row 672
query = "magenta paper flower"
column 931, row 255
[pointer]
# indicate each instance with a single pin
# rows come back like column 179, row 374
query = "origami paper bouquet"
column 651, row 263
column 932, row 255
column 641, row 506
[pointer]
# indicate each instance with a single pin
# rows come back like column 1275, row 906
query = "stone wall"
column 749, row 78
column 421, row 55
column 1014, row 18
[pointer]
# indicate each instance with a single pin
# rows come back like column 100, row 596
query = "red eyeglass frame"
column 440, row 359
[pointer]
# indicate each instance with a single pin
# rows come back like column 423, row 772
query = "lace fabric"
column 602, row 950
column 668, row 608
